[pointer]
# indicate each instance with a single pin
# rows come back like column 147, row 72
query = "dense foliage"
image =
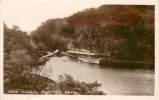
column 19, row 57
column 121, row 32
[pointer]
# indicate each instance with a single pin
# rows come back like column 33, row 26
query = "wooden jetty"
column 86, row 54
column 86, row 57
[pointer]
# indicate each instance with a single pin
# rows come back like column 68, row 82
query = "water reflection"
column 114, row 81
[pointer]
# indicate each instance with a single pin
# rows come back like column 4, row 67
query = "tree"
column 67, row 85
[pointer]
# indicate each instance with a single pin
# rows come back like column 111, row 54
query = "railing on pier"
column 86, row 54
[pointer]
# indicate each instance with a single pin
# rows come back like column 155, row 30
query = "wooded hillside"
column 121, row 32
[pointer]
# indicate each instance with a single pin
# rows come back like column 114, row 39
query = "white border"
column 64, row 97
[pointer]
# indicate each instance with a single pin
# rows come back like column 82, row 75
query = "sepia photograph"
column 56, row 47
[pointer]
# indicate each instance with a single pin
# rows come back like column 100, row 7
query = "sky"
column 29, row 14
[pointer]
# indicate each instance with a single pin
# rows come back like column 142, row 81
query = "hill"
column 119, row 31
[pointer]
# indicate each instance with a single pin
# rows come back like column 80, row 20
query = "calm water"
column 114, row 81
